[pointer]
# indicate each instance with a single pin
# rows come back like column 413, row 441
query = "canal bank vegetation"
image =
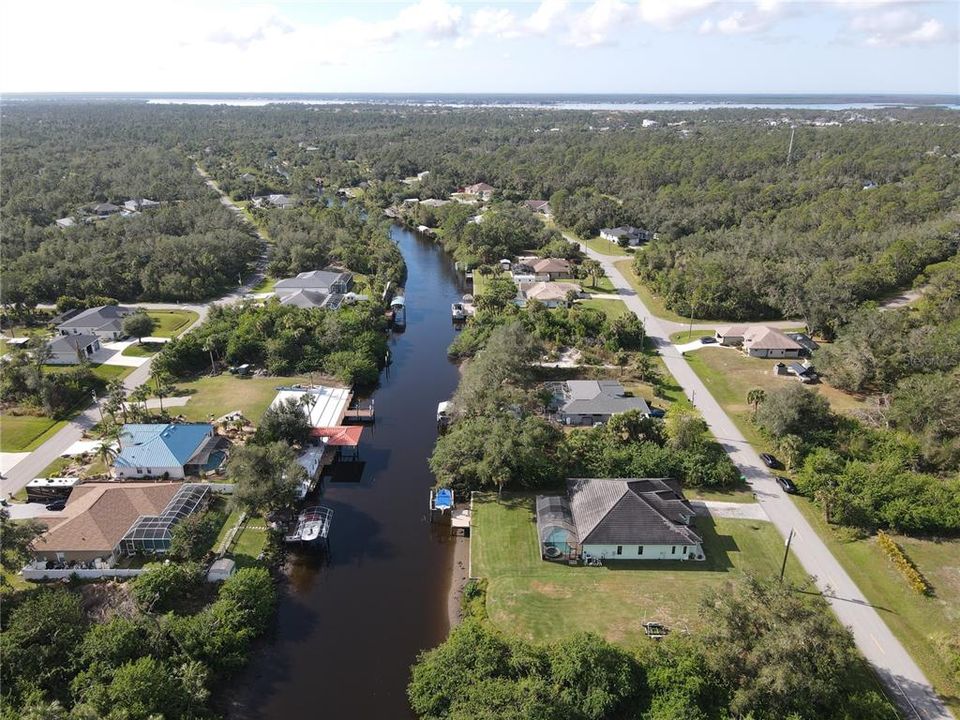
column 502, row 438
column 349, row 343
column 317, row 235
column 162, row 645
column 764, row 669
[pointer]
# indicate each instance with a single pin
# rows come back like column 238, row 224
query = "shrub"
column 914, row 577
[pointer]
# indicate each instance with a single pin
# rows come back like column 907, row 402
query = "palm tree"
column 643, row 366
column 117, row 399
column 106, row 453
column 755, row 397
column 162, row 388
column 594, row 269
column 139, row 397
column 208, row 347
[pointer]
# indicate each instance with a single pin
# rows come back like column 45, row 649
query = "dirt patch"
column 104, row 600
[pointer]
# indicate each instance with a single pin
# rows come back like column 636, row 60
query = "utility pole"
column 96, row 401
column 786, row 551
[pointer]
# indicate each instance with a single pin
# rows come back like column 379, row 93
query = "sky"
column 435, row 46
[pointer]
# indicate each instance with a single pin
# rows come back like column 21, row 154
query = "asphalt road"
column 32, row 466
column 904, row 681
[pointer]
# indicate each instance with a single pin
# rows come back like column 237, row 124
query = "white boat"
column 313, row 526
column 399, row 307
column 458, row 311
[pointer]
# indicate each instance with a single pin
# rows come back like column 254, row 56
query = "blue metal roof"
column 161, row 445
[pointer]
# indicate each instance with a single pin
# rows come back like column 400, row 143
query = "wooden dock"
column 361, row 414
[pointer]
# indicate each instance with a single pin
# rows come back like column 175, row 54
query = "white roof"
column 324, row 406
column 310, row 458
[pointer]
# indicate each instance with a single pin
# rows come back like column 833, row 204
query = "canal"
column 348, row 630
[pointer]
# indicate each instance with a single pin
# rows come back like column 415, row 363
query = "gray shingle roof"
column 647, row 511
column 70, row 343
column 105, row 317
column 320, row 280
column 597, row 397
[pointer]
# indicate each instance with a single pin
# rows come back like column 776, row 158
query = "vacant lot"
column 24, row 433
column 612, row 308
column 919, row 622
column 653, row 302
column 605, row 247
column 104, row 372
column 213, row 397
column 142, row 349
column 170, row 323
column 544, row 601
column 729, row 375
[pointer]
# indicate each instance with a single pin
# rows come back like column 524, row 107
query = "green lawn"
column 919, row 622
column 605, row 247
column 231, row 521
column 545, row 601
column 265, row 285
column 603, row 285
column 685, row 336
column 25, row 433
column 249, row 543
column 143, row 350
column 729, row 375
column 170, row 323
column 221, row 394
column 55, row 468
column 612, row 308
column 104, row 372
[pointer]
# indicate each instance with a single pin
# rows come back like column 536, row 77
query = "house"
column 140, row 204
column 731, row 335
column 175, row 450
column 767, row 342
column 104, row 521
column 103, row 210
column 434, row 202
column 548, row 269
column 312, row 299
column 106, row 322
column 480, row 190
column 808, row 344
column 586, row 402
column 325, row 408
column 313, row 458
column 72, row 349
column 66, row 222
column 539, row 206
column 618, row 519
column 551, row 294
column 634, row 236
column 323, row 281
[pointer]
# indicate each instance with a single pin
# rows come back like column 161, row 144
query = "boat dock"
column 362, row 413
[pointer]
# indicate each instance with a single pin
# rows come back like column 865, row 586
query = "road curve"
column 31, row 466
column 901, row 676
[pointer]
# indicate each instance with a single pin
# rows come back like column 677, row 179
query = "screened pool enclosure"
column 152, row 534
column 555, row 528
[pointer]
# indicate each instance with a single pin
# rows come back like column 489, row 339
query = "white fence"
column 30, row 573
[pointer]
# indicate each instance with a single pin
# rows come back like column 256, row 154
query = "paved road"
column 32, row 466
column 896, row 669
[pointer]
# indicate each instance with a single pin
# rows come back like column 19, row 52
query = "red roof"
column 340, row 435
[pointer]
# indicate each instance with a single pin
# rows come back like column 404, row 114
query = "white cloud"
column 546, row 16
column 495, row 22
column 595, row 25
column 891, row 28
column 668, row 14
column 750, row 19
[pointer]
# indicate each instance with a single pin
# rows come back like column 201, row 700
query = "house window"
column 619, row 549
column 684, row 549
column 640, row 550
column 673, row 550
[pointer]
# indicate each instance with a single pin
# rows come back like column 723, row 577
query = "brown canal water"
column 348, row 630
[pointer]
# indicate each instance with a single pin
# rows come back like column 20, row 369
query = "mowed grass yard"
column 544, row 601
column 170, row 323
column 919, row 622
column 611, row 308
column 218, row 395
column 605, row 247
column 25, row 433
column 729, row 375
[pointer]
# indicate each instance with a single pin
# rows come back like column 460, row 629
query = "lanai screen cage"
column 153, row 533
column 555, row 528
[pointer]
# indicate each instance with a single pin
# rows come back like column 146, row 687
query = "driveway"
column 737, row 511
column 903, row 679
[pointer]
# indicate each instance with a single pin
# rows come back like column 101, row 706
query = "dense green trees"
column 138, row 666
column 754, row 659
column 266, row 476
column 348, row 343
column 27, row 383
column 287, row 422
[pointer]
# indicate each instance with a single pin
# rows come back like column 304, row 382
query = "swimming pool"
column 215, row 460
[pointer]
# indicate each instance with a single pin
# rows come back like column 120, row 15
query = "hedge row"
column 914, row 577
